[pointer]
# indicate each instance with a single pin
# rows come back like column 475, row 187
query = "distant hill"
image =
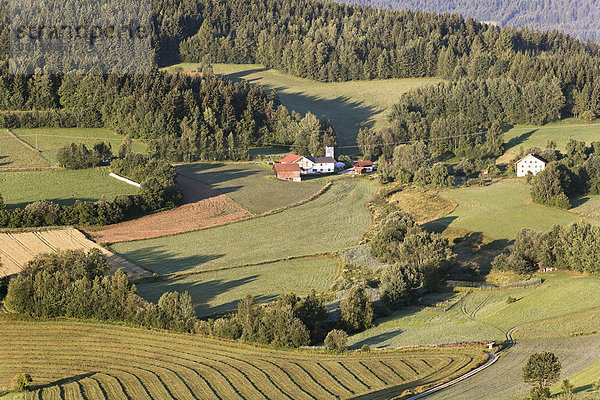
column 580, row 18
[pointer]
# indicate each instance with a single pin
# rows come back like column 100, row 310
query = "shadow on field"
column 4, row 163
column 377, row 339
column 63, row 381
column 161, row 261
column 516, row 141
column 212, row 175
column 439, row 225
column 346, row 115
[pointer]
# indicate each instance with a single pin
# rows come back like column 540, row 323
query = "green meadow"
column 60, row 186
column 559, row 133
column 252, row 186
column 49, row 140
column 333, row 221
column 14, row 154
column 500, row 210
column 219, row 291
column 348, row 105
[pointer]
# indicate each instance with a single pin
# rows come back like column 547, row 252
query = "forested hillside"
column 580, row 18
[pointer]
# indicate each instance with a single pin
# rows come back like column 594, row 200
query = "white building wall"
column 530, row 164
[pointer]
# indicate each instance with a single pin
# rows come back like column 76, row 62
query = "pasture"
column 332, row 221
column 503, row 381
column 568, row 305
column 252, row 186
column 348, row 105
column 49, row 140
column 219, row 291
column 104, row 361
column 500, row 210
column 18, row 248
column 14, row 154
column 64, row 187
column 583, row 380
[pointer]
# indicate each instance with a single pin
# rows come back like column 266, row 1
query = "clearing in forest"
column 49, row 140
column 63, row 187
column 18, row 248
column 104, row 361
column 349, row 106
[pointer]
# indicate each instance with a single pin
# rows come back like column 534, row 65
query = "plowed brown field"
column 205, row 207
column 17, row 249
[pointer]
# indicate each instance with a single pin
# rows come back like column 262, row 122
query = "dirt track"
column 204, row 207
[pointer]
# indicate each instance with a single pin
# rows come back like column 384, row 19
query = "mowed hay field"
column 49, row 140
column 15, row 154
column 19, row 188
column 18, row 248
column 101, row 361
column 348, row 105
column 253, row 186
column 332, row 221
column 503, row 381
column 219, row 291
column 500, row 210
column 570, row 306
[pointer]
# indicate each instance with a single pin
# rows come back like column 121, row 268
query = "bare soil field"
column 205, row 207
column 17, row 249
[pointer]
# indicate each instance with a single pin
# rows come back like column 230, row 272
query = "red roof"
column 194, row 73
column 286, row 168
column 363, row 164
column 290, row 158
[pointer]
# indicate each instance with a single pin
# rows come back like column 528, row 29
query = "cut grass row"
column 348, row 105
column 333, row 221
column 60, row 186
column 219, row 291
column 252, row 186
column 560, row 307
column 101, row 361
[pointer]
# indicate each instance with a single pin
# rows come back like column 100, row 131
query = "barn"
column 363, row 167
column 287, row 172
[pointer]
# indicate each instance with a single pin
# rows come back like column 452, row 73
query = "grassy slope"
column 60, row 186
column 583, row 380
column 484, row 315
column 97, row 361
column 49, row 140
column 331, row 222
column 500, row 210
column 220, row 291
column 348, row 105
column 503, row 379
column 252, row 186
column 14, row 154
column 531, row 136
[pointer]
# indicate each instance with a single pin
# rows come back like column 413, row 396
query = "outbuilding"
column 363, row 167
column 287, row 172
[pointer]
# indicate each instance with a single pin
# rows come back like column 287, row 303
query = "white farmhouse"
column 530, row 164
column 311, row 165
column 323, row 165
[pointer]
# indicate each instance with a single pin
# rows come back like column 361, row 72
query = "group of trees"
column 575, row 172
column 417, row 258
column 575, row 248
column 183, row 118
column 158, row 191
column 73, row 284
column 78, row 156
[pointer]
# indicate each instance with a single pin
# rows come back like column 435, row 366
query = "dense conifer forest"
column 578, row 18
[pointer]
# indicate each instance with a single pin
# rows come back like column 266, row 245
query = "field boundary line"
column 251, row 217
column 24, row 143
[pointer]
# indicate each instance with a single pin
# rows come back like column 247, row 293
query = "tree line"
column 573, row 248
column 183, row 118
column 158, row 191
